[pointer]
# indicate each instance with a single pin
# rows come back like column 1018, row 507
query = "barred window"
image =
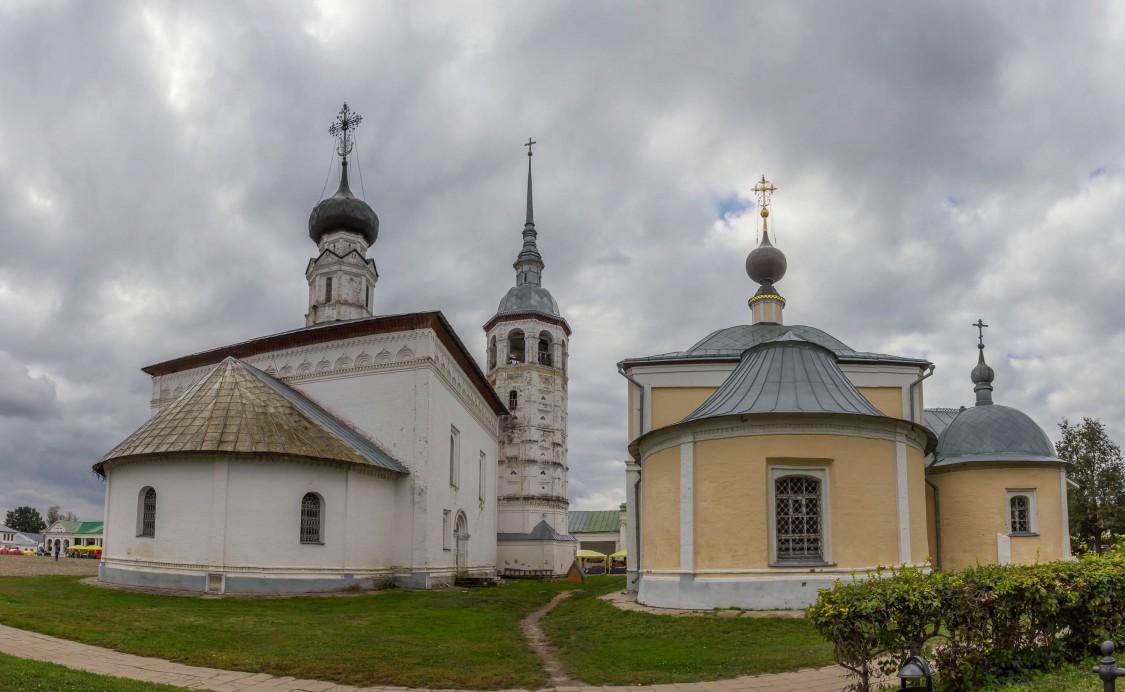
column 1020, row 514
column 328, row 290
column 148, row 513
column 311, row 510
column 513, row 400
column 798, row 516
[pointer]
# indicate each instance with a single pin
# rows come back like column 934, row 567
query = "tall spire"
column 982, row 374
column 529, row 263
column 530, row 210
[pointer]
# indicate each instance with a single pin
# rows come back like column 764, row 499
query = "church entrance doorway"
column 461, row 536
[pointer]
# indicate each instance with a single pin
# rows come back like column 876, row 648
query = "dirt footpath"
column 27, row 566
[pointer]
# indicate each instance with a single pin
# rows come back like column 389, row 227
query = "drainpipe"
column 914, row 385
column 937, row 504
column 937, row 523
column 641, row 411
column 637, row 485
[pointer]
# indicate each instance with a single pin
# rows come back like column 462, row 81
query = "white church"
column 359, row 451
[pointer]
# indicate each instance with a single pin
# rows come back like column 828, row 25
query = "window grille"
column 1021, row 514
column 513, row 400
column 148, row 514
column 798, row 509
column 328, row 290
column 310, row 518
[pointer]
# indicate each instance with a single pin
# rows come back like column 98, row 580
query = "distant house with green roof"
column 600, row 530
column 65, row 533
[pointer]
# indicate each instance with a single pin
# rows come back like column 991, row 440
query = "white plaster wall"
column 222, row 512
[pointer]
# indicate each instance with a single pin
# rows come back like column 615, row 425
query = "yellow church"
column 768, row 460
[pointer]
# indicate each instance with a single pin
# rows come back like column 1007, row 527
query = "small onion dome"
column 983, row 372
column 343, row 211
column 765, row 263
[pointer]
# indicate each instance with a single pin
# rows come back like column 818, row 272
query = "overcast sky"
column 936, row 163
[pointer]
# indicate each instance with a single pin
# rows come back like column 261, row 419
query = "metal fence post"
column 1108, row 670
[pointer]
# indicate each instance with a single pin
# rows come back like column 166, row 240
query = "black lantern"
column 916, row 668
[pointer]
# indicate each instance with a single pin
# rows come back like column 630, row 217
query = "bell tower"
column 341, row 278
column 528, row 346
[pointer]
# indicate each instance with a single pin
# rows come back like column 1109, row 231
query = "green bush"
column 981, row 624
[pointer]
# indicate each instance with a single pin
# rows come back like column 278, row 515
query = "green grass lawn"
column 445, row 639
column 460, row 639
column 601, row 645
column 19, row 675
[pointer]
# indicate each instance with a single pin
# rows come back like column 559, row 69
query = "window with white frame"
column 799, row 519
column 146, row 516
column 1022, row 512
column 445, row 529
column 312, row 512
column 454, row 456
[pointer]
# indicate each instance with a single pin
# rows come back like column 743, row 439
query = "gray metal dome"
column 529, row 298
column 765, row 263
column 993, row 433
column 343, row 211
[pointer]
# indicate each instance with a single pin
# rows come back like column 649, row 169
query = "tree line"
column 27, row 519
column 1097, row 506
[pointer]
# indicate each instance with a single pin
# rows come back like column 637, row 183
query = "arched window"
column 545, row 348
column 312, row 509
column 146, row 517
column 492, row 353
column 798, row 518
column 516, row 347
column 513, row 400
column 1020, row 510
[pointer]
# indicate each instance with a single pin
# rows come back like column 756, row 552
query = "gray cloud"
column 936, row 163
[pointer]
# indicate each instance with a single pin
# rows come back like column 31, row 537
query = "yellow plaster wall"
column 673, row 404
column 931, row 525
column 886, row 399
column 974, row 509
column 661, row 502
column 731, row 486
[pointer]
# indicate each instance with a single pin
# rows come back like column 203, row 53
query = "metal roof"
column 786, row 375
column 938, row 419
column 732, row 342
column 993, row 433
column 237, row 408
column 595, row 521
column 528, row 298
column 541, row 532
column 82, row 527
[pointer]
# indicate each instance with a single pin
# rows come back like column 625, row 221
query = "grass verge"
column 21, row 675
column 446, row 639
column 1069, row 679
column 601, row 645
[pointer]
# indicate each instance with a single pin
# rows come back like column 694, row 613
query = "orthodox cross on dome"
column 980, row 325
column 530, row 141
column 346, row 123
column 764, row 189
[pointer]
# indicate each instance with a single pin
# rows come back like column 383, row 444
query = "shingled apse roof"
column 238, row 409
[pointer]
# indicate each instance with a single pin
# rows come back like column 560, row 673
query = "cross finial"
column 980, row 325
column 764, row 189
column 346, row 122
column 530, row 141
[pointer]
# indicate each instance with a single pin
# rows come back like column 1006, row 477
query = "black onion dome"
column 765, row 263
column 343, row 211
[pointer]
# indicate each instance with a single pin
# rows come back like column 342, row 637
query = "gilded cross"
column 528, row 145
column 346, row 122
column 764, row 190
column 980, row 325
